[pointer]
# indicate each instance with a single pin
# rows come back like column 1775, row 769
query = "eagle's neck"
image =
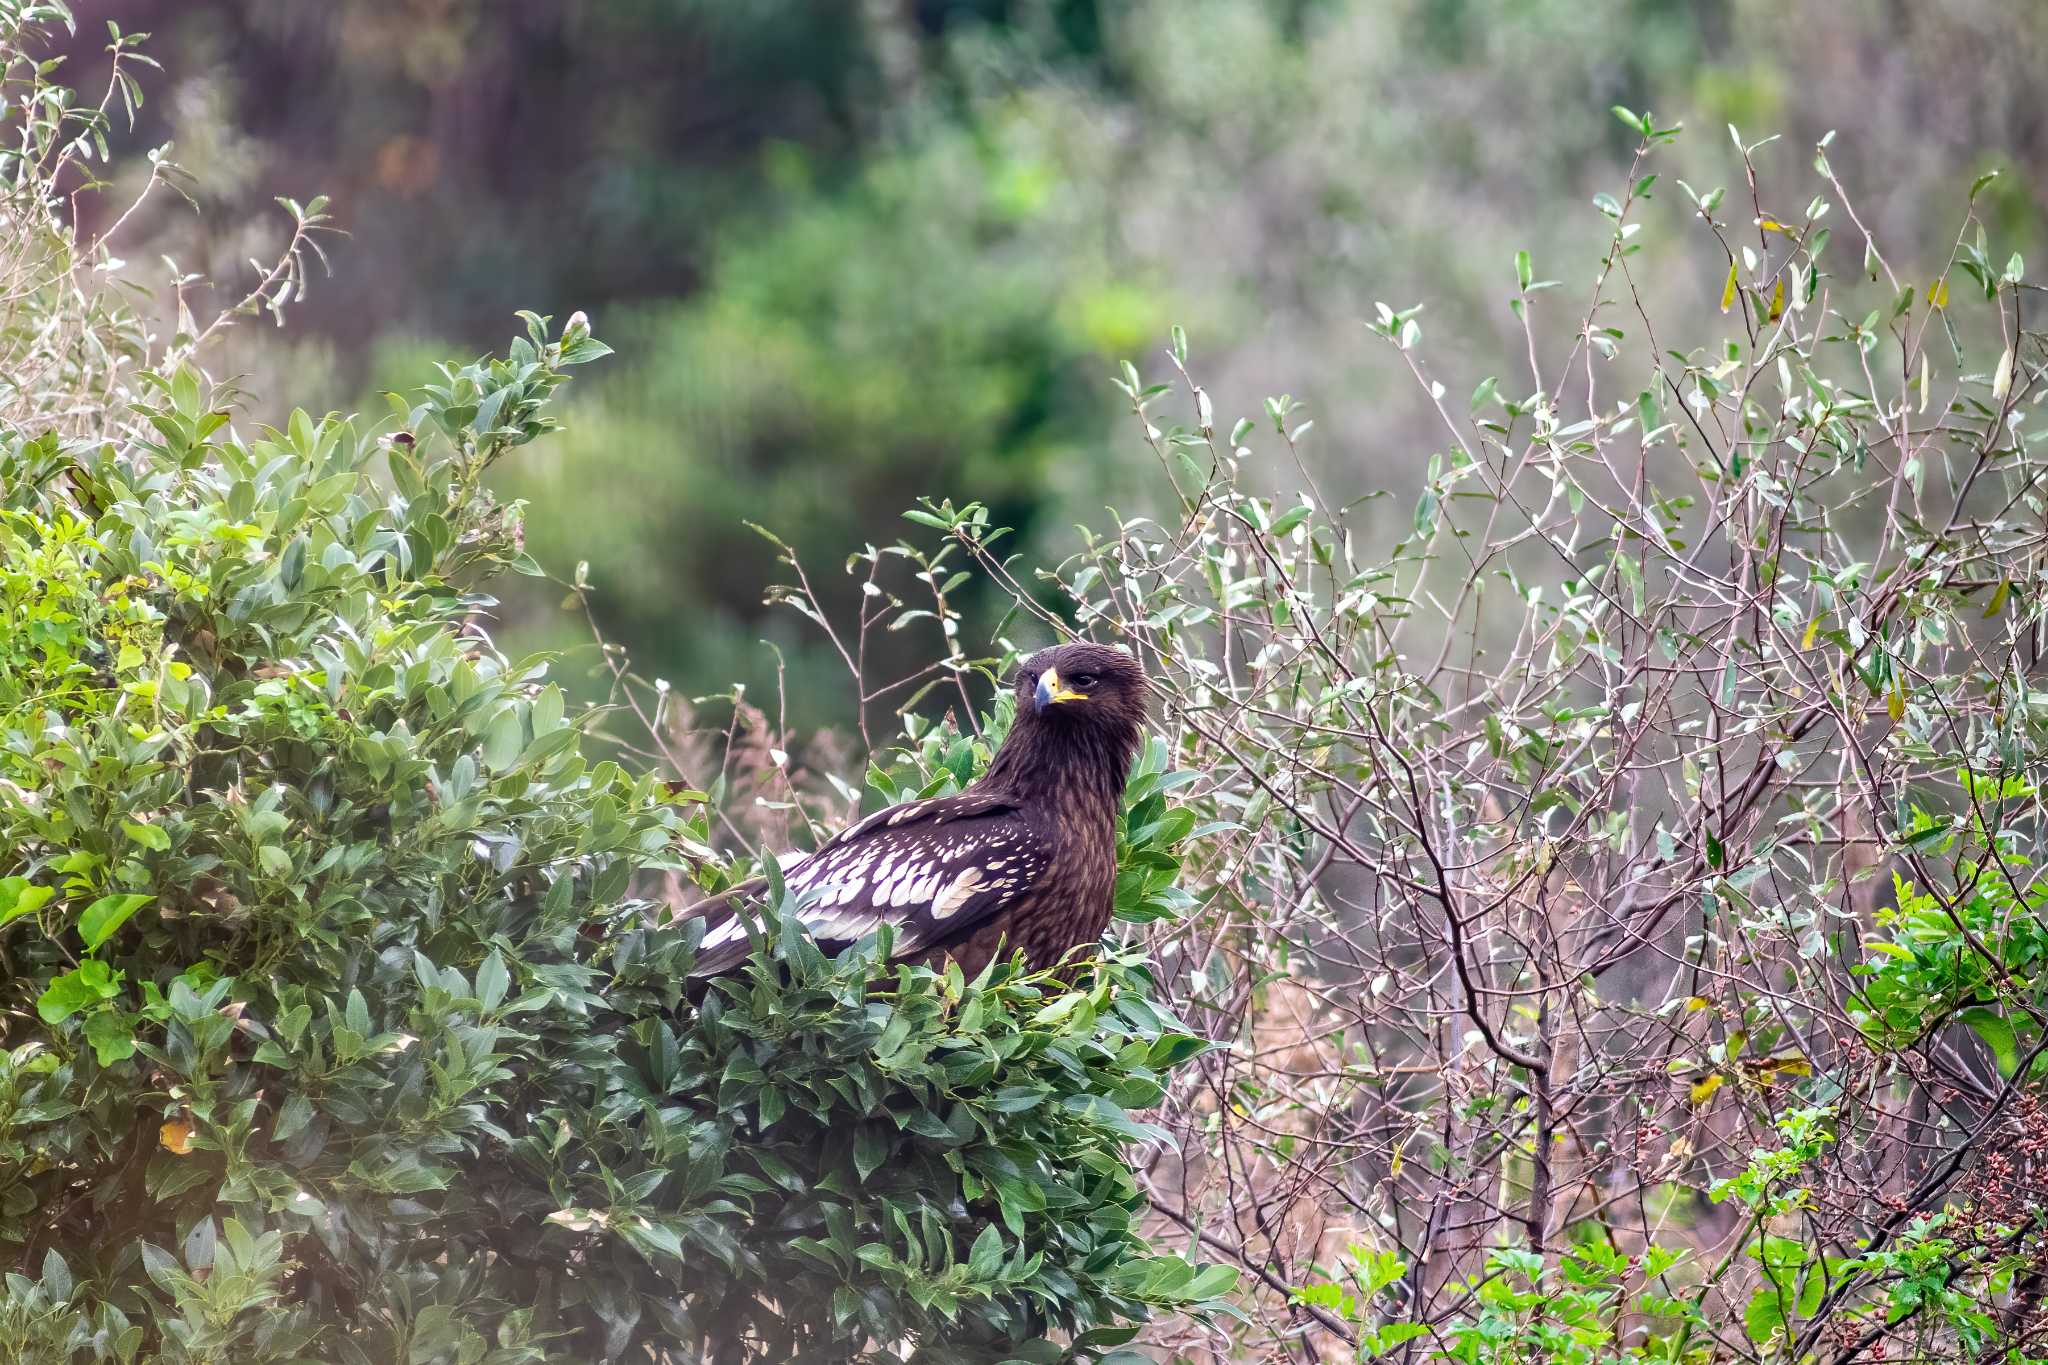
column 1077, row 769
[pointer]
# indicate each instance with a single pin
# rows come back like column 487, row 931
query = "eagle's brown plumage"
column 1023, row 859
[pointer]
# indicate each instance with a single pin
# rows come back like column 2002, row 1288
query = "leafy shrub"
column 322, row 974
column 334, row 1030
column 331, row 1027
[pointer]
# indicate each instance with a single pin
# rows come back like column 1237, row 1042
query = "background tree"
column 863, row 251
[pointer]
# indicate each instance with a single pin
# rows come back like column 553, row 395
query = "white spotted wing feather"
column 931, row 868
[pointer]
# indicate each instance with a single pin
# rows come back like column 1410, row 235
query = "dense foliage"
column 332, row 1026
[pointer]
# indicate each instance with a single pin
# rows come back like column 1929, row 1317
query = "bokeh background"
column 855, row 251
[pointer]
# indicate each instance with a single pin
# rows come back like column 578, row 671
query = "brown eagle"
column 1023, row 859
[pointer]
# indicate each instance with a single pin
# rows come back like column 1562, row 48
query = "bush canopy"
column 333, row 1023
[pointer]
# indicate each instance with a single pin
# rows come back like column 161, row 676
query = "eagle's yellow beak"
column 1052, row 691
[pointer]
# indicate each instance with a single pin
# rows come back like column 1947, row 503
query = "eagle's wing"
column 930, row 868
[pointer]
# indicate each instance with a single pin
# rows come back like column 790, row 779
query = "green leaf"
column 1425, row 514
column 492, row 980
column 504, row 740
column 107, row 914
column 56, row 1276
column 870, row 1149
column 112, row 1035
column 1764, row 1318
column 1211, row 1281
column 1291, row 519
column 150, row 837
column 87, row 984
column 987, row 1256
column 19, row 896
column 1996, row 1031
column 292, row 1116
column 1174, row 1048
column 1389, row 1335
column 547, row 710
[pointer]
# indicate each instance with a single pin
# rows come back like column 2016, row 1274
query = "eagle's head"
column 1084, row 685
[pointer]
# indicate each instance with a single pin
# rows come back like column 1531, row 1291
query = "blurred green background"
column 854, row 251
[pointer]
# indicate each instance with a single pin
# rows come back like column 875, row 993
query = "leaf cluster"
column 331, row 1027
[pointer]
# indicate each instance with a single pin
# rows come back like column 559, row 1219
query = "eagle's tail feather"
column 725, row 934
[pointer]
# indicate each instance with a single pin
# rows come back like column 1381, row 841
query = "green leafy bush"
column 333, row 1032
column 332, row 1026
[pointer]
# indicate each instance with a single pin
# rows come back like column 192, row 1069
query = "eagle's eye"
column 1084, row 680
